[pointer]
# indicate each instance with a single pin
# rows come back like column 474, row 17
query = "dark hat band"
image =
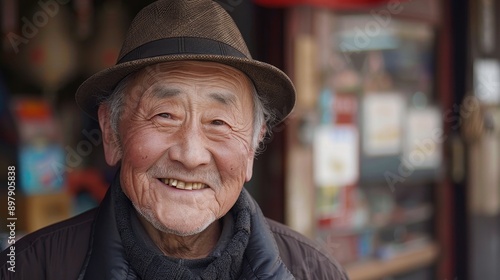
column 181, row 45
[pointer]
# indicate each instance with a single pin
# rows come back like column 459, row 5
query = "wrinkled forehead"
column 212, row 73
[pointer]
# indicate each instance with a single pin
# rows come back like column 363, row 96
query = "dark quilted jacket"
column 88, row 246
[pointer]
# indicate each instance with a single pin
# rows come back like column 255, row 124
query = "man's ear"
column 112, row 150
column 251, row 157
column 262, row 134
column 249, row 170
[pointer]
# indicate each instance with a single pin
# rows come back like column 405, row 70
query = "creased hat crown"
column 177, row 19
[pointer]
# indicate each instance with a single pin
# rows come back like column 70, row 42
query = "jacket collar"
column 106, row 256
column 262, row 256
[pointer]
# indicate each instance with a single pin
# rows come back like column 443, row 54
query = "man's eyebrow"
column 223, row 98
column 164, row 92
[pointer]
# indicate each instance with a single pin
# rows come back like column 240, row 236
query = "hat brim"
column 271, row 83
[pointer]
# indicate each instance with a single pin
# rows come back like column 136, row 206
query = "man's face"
column 187, row 125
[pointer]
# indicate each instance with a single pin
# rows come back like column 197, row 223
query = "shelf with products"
column 372, row 97
column 402, row 217
column 378, row 223
column 376, row 147
column 407, row 260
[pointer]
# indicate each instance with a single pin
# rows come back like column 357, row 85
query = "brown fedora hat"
column 174, row 30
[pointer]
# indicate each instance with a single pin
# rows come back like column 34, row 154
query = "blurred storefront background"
column 390, row 159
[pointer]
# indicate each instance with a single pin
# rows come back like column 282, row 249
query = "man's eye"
column 165, row 115
column 218, row 122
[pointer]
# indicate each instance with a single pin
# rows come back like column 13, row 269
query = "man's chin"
column 179, row 227
column 182, row 230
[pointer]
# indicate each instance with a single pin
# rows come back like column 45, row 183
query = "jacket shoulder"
column 54, row 252
column 305, row 258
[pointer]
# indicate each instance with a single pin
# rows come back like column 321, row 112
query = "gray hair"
column 262, row 113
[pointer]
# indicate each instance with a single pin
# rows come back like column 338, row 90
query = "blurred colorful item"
column 40, row 151
column 88, row 187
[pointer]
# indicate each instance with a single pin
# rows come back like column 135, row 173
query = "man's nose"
column 191, row 148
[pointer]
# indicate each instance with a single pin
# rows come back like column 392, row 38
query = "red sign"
column 335, row 4
column 345, row 108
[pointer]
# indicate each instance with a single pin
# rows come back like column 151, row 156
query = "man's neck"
column 184, row 247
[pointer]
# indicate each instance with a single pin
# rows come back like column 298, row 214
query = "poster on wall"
column 424, row 138
column 335, row 153
column 382, row 123
column 336, row 172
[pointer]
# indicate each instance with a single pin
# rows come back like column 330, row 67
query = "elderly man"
column 182, row 114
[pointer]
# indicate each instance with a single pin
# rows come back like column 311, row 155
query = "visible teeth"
column 184, row 185
column 180, row 185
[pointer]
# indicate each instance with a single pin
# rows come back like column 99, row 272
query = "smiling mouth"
column 178, row 184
